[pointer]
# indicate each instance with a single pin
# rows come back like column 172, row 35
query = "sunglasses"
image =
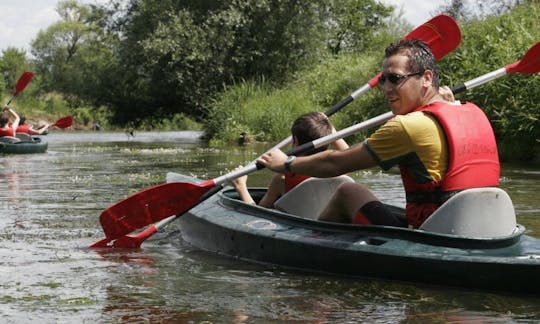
column 395, row 78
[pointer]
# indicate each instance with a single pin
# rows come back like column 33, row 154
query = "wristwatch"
column 288, row 162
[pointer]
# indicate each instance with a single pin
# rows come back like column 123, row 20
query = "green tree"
column 12, row 63
column 457, row 9
column 73, row 54
column 481, row 9
column 176, row 55
column 351, row 24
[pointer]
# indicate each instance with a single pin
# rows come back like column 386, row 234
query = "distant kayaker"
column 305, row 129
column 130, row 132
column 26, row 128
column 242, row 139
column 440, row 147
column 8, row 116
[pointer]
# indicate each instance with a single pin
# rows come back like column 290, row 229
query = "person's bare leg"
column 345, row 202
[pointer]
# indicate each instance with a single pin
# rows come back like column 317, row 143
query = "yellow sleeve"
column 415, row 140
column 390, row 143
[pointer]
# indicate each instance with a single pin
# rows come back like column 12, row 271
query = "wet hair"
column 310, row 127
column 22, row 120
column 420, row 56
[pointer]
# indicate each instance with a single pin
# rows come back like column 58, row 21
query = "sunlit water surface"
column 49, row 207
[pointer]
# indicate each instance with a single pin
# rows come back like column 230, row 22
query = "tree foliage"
column 12, row 64
column 73, row 55
column 158, row 58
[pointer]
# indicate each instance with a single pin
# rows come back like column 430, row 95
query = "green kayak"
column 473, row 242
column 14, row 145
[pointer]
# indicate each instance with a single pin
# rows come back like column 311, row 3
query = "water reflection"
column 9, row 179
column 16, row 184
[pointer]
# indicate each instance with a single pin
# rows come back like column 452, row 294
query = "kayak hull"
column 35, row 145
column 225, row 225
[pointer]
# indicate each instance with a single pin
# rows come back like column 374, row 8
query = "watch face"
column 288, row 162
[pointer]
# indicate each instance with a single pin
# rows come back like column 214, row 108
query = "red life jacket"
column 473, row 159
column 293, row 179
column 7, row 132
column 23, row 129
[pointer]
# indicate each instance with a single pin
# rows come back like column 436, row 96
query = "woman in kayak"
column 305, row 129
column 7, row 129
column 28, row 129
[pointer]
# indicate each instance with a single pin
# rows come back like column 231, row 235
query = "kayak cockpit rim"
column 229, row 198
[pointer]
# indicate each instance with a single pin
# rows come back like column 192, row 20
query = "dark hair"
column 4, row 119
column 22, row 120
column 310, row 127
column 420, row 56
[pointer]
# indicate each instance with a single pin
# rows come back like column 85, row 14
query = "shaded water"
column 49, row 208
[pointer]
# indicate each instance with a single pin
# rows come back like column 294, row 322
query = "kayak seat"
column 474, row 213
column 24, row 137
column 311, row 196
column 9, row 139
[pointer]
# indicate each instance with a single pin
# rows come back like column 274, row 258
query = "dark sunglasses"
column 395, row 78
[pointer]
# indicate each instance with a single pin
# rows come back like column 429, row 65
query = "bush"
column 251, row 108
column 177, row 122
column 266, row 114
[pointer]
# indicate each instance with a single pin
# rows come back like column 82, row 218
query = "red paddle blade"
column 441, row 33
column 529, row 64
column 24, row 79
column 64, row 122
column 125, row 242
column 151, row 205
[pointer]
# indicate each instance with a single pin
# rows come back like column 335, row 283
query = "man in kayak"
column 440, row 147
column 7, row 129
column 28, row 129
column 304, row 129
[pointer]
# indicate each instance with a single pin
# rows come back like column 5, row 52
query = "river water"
column 49, row 209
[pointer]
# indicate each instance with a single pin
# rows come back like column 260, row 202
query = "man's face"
column 403, row 88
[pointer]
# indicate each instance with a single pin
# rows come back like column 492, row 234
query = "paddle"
column 441, row 33
column 63, row 122
column 529, row 64
column 23, row 81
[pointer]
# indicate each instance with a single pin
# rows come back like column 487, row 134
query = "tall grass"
column 266, row 113
column 254, row 109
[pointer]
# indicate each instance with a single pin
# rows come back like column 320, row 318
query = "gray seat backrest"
column 311, row 196
column 474, row 213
